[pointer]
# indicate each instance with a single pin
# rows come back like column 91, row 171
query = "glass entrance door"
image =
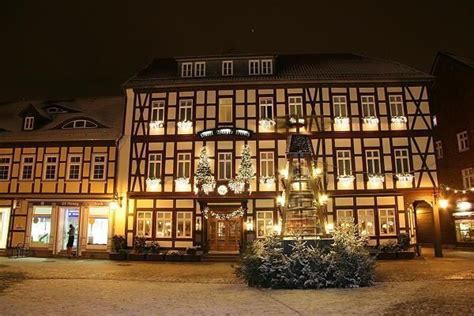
column 4, row 221
column 68, row 216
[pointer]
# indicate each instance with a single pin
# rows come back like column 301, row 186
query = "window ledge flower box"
column 157, row 124
column 346, row 180
column 404, row 177
column 267, row 123
column 208, row 187
column 376, row 179
column 399, row 119
column 267, row 180
column 152, row 184
column 341, row 120
column 181, row 183
column 296, row 121
column 236, row 186
column 371, row 120
column 185, row 124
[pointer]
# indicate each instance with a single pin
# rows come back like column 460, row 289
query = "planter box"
column 174, row 258
column 405, row 255
column 191, row 258
column 118, row 256
column 137, row 256
column 395, row 255
column 155, row 257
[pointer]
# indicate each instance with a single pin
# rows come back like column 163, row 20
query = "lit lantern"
column 443, row 203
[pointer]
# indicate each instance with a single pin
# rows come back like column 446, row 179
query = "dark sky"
column 58, row 49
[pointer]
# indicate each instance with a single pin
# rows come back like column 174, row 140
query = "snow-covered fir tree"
column 204, row 177
column 246, row 171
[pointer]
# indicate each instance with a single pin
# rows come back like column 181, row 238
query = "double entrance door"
column 224, row 235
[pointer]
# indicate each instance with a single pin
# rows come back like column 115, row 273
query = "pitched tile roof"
column 107, row 111
column 296, row 67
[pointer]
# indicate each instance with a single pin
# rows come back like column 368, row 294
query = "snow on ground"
column 87, row 287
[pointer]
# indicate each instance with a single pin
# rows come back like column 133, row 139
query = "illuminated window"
column 267, row 66
column 98, row 166
column 227, row 68
column 266, row 108
column 29, row 123
column 27, row 167
column 264, row 223
column 74, row 167
column 373, row 161
column 157, row 111
column 366, row 222
column 402, row 164
column 340, row 105
column 267, row 164
column 225, row 110
column 186, row 69
column 387, row 221
column 154, row 166
column 344, row 217
column 184, row 224
column 185, row 110
column 164, row 224
column 5, row 165
column 200, row 69
column 439, row 149
column 254, row 67
column 295, row 105
column 50, row 167
column 463, row 141
column 184, row 165
column 41, row 225
column 344, row 164
column 225, row 166
column 144, row 219
column 98, row 226
column 468, row 178
column 368, row 106
column 465, row 230
column 396, row 105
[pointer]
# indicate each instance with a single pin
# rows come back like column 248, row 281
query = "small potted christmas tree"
column 204, row 179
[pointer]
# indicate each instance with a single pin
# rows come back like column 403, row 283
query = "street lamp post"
column 437, row 226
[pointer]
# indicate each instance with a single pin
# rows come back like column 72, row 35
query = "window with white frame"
column 387, row 222
column 468, row 178
column 254, row 67
column 225, row 166
column 5, row 165
column 344, row 164
column 98, row 166
column 77, row 124
column 29, row 123
column 50, row 167
column 186, row 69
column 154, row 166
column 225, row 110
column 266, row 108
column 339, row 105
column 184, row 222
column 157, row 111
column 74, row 166
column 41, row 225
column 373, row 161
column 184, row 165
column 402, row 164
column 295, row 105
column 144, row 224
column 267, row 66
column 186, row 110
column 200, row 69
column 164, row 224
column 264, row 223
column 267, row 164
column 396, row 105
column 227, row 68
column 344, row 217
column 463, row 141
column 366, row 222
column 368, row 105
column 27, row 167
column 439, row 149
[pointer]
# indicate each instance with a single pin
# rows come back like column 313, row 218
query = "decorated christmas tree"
column 204, row 178
column 245, row 173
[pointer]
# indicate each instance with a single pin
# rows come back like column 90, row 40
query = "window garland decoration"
column 236, row 213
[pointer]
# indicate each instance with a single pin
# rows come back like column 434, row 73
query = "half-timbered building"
column 368, row 122
column 57, row 167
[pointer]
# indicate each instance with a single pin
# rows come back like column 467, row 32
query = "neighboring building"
column 453, row 104
column 57, row 167
column 368, row 120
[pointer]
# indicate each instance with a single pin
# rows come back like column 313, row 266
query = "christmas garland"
column 237, row 213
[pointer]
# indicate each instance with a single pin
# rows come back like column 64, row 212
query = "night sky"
column 56, row 49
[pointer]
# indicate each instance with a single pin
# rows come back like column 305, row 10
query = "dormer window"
column 54, row 110
column 267, row 67
column 80, row 124
column 29, row 123
column 186, row 69
column 254, row 67
column 227, row 68
column 200, row 69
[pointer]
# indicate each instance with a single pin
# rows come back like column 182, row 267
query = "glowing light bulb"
column 443, row 203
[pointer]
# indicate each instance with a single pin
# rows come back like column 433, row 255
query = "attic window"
column 55, row 109
column 29, row 123
column 80, row 124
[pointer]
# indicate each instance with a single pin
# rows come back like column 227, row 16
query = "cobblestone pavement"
column 81, row 287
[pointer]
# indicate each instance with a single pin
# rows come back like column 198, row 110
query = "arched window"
column 54, row 109
column 80, row 124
